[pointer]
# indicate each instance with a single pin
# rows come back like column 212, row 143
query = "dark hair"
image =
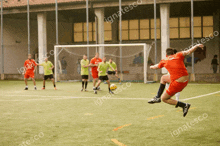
column 174, row 51
column 215, row 56
column 85, row 55
column 170, row 51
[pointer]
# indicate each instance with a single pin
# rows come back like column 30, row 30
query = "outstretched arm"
column 193, row 49
column 154, row 66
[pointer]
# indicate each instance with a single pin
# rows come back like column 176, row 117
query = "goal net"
column 131, row 60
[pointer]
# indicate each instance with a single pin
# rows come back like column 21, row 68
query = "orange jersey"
column 175, row 66
column 95, row 61
column 29, row 65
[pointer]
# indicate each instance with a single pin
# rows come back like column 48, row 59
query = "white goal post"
column 77, row 51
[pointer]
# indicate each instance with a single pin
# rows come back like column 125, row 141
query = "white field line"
column 201, row 96
column 70, row 97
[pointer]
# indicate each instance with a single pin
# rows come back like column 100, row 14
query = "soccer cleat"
column 55, row 88
column 98, row 88
column 35, row 88
column 185, row 109
column 86, row 90
column 26, row 88
column 43, row 88
column 119, row 83
column 82, row 90
column 154, row 100
column 95, row 91
column 110, row 91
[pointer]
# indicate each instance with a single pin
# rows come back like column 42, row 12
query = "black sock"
column 83, row 84
column 44, row 86
column 86, row 84
column 160, row 91
column 119, row 79
column 180, row 104
column 54, row 85
column 109, row 89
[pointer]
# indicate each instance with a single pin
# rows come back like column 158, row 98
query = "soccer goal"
column 131, row 60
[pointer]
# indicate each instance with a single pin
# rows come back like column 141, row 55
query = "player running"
column 179, row 76
column 165, row 82
column 84, row 71
column 48, row 73
column 111, row 72
column 102, row 68
column 29, row 68
column 94, row 65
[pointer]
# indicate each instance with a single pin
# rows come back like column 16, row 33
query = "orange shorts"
column 176, row 87
column 95, row 74
column 29, row 75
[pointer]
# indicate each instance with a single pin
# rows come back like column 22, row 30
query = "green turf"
column 62, row 119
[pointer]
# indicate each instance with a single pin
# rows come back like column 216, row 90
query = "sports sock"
column 177, row 96
column 54, row 85
column 44, row 86
column 83, row 84
column 180, row 104
column 35, row 86
column 26, row 86
column 160, row 91
column 109, row 89
column 119, row 79
column 86, row 84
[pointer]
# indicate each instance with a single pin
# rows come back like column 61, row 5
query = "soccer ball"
column 113, row 87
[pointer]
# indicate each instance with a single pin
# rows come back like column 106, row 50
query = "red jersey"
column 95, row 61
column 29, row 65
column 175, row 66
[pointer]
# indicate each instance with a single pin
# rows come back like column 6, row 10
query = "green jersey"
column 84, row 70
column 46, row 66
column 103, row 66
column 113, row 65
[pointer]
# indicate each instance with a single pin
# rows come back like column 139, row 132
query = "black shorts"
column 111, row 72
column 85, row 76
column 48, row 77
column 103, row 78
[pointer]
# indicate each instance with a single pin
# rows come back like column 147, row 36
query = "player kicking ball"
column 111, row 72
column 164, row 82
column 29, row 69
column 48, row 73
column 84, row 72
column 179, row 76
column 102, row 68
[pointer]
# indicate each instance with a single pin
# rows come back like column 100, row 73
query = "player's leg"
column 45, row 78
column 86, row 83
column 110, row 91
column 54, row 85
column 174, row 88
column 164, row 79
column 177, row 96
column 83, row 81
column 26, row 87
column 98, row 84
column 119, row 80
column 35, row 87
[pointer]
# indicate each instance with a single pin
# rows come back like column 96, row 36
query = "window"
column 197, row 29
column 207, row 26
column 124, row 31
column 108, row 31
column 174, row 28
column 144, row 29
column 184, row 27
column 133, row 30
column 80, row 32
column 152, row 28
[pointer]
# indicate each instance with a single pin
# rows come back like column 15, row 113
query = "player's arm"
column 154, row 66
column 52, row 66
column 24, row 70
column 193, row 49
column 98, row 69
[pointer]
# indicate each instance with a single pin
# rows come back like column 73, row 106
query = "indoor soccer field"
column 69, row 117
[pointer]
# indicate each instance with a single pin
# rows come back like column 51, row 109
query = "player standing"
column 84, row 71
column 94, row 65
column 111, row 72
column 29, row 69
column 179, row 76
column 102, row 68
column 48, row 73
